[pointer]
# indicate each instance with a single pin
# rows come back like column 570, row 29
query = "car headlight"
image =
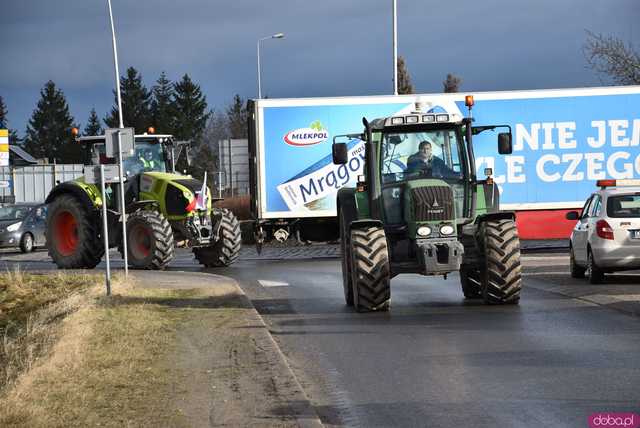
column 424, row 231
column 447, row 229
column 14, row 227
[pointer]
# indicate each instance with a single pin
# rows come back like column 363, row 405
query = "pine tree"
column 191, row 115
column 237, row 118
column 162, row 105
column 136, row 103
column 451, row 83
column 49, row 130
column 4, row 123
column 93, row 125
column 404, row 80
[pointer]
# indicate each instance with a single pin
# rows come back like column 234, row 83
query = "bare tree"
column 610, row 56
column 451, row 83
column 404, row 80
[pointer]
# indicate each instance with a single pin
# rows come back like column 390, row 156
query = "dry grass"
column 110, row 366
column 239, row 205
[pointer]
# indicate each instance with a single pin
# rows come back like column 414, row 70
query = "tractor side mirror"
column 572, row 215
column 504, row 143
column 339, row 153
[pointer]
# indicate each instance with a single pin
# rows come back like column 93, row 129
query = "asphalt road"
column 567, row 351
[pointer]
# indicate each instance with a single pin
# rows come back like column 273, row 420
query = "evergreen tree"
column 49, row 130
column 162, row 105
column 136, row 103
column 237, row 118
column 93, row 125
column 190, row 110
column 4, row 123
column 451, row 83
column 404, row 80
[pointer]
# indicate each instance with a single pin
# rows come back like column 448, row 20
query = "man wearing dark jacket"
column 425, row 161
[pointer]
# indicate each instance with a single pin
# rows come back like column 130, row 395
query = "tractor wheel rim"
column 140, row 245
column 66, row 234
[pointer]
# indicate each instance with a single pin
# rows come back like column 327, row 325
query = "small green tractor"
column 419, row 208
column 163, row 211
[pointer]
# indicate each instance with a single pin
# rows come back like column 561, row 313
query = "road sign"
column 92, row 174
column 126, row 141
column 4, row 147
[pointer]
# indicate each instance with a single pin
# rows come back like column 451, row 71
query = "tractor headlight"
column 424, row 231
column 14, row 227
column 447, row 229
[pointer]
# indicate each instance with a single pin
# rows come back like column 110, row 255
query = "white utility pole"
column 123, row 213
column 275, row 36
column 395, row 48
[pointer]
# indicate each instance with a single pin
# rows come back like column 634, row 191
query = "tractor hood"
column 428, row 201
column 176, row 193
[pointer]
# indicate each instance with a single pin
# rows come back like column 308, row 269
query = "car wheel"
column 596, row 275
column 26, row 243
column 576, row 270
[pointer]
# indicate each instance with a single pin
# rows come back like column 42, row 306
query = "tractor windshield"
column 147, row 157
column 428, row 154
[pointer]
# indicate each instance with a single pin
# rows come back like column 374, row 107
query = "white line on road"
column 266, row 283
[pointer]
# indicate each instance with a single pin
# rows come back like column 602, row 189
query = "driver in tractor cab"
column 424, row 160
column 146, row 160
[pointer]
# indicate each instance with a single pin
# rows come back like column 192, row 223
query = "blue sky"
column 331, row 48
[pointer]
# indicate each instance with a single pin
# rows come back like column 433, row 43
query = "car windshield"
column 428, row 154
column 14, row 212
column 623, row 206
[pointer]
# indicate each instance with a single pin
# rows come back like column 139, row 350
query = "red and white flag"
column 201, row 199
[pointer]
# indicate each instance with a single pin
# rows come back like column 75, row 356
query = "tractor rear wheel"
column 471, row 281
column 227, row 248
column 149, row 240
column 73, row 234
column 501, row 273
column 345, row 255
column 371, row 274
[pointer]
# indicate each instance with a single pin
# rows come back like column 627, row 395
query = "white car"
column 607, row 235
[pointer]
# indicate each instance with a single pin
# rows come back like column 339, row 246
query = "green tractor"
column 419, row 208
column 163, row 211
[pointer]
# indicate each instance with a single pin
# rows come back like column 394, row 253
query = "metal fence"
column 33, row 183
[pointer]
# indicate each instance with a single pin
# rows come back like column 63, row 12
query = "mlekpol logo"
column 614, row 420
column 314, row 134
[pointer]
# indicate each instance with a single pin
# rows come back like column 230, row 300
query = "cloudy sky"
column 331, row 48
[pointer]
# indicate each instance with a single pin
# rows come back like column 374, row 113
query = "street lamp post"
column 275, row 36
column 395, row 47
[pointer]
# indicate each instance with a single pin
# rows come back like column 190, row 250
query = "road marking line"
column 266, row 283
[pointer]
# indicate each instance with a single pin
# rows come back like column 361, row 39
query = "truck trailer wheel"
column 371, row 274
column 149, row 240
column 345, row 256
column 501, row 276
column 73, row 234
column 227, row 248
column 471, row 281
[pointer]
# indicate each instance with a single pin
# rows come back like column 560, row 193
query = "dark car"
column 23, row 226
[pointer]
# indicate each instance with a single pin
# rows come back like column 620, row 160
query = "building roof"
column 18, row 151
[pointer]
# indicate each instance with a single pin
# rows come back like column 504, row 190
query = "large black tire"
column 371, row 274
column 577, row 271
column 471, row 282
column 345, row 255
column 149, row 240
column 226, row 249
column 596, row 275
column 73, row 234
column 502, row 272
column 26, row 243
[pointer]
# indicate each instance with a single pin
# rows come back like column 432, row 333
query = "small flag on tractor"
column 201, row 199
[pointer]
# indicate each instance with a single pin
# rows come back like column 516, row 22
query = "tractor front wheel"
column 149, row 240
column 371, row 274
column 227, row 247
column 73, row 234
column 501, row 274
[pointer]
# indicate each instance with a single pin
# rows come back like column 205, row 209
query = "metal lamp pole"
column 275, row 36
column 395, row 47
column 123, row 213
